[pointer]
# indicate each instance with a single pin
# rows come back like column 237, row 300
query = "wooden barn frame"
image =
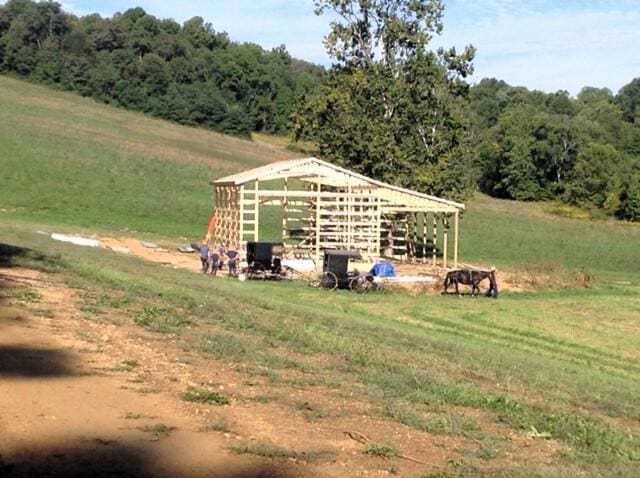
column 325, row 206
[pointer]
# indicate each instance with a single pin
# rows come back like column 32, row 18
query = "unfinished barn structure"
column 323, row 206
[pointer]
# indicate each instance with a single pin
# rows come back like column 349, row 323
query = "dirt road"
column 102, row 398
column 66, row 411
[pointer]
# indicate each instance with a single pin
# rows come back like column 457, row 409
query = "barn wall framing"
column 329, row 207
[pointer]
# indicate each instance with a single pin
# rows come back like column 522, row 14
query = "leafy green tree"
column 629, row 206
column 592, row 183
column 629, row 100
column 138, row 61
column 528, row 154
column 391, row 108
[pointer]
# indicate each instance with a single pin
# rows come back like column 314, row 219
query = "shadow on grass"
column 9, row 254
column 14, row 256
column 19, row 361
column 100, row 458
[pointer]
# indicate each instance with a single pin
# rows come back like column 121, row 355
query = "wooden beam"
column 241, row 218
column 435, row 240
column 318, row 197
column 349, row 225
column 445, row 242
column 424, row 238
column 285, row 212
column 256, row 210
column 455, row 239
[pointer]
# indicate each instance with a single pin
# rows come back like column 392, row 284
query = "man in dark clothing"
column 214, row 262
column 232, row 258
column 204, row 257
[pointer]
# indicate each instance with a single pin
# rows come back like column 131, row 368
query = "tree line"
column 583, row 151
column 389, row 107
column 186, row 73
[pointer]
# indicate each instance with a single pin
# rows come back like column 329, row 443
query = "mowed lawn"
column 558, row 365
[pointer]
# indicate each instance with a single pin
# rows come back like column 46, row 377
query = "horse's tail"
column 493, row 282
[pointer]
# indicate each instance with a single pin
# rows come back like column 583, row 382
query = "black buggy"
column 335, row 271
column 264, row 260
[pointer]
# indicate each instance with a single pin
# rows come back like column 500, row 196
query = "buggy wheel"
column 359, row 285
column 257, row 272
column 328, row 280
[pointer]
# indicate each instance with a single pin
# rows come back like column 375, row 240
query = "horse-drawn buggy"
column 336, row 274
column 264, row 262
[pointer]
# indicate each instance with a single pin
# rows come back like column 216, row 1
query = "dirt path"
column 65, row 411
column 100, row 396
column 175, row 259
column 70, row 405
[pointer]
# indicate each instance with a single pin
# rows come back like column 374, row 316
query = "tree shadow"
column 20, row 361
column 99, row 458
column 9, row 254
column 15, row 256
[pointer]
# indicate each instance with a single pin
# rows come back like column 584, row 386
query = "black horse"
column 472, row 278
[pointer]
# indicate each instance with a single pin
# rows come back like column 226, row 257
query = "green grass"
column 561, row 364
column 509, row 233
column 208, row 397
column 68, row 160
column 268, row 450
column 160, row 319
column 383, row 450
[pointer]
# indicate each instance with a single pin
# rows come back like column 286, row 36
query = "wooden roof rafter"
column 317, row 171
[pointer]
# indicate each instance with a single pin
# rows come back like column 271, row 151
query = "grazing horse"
column 472, row 278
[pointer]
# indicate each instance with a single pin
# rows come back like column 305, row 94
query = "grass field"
column 69, row 160
column 561, row 366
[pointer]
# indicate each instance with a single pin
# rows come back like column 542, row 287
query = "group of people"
column 213, row 259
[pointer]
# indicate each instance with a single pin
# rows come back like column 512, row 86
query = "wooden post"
column 285, row 212
column 349, row 219
column 455, row 239
column 424, row 237
column 378, row 219
column 318, row 205
column 256, row 210
column 237, row 218
column 414, row 244
column 435, row 240
column 407, row 237
column 241, row 214
column 445, row 242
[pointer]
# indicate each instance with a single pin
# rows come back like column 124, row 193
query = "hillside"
column 73, row 161
column 542, row 383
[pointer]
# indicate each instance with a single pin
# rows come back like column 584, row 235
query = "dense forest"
column 430, row 130
column 186, row 73
column 583, row 151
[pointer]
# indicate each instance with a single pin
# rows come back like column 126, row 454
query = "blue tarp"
column 383, row 269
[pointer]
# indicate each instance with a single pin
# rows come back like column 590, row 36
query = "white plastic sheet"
column 77, row 240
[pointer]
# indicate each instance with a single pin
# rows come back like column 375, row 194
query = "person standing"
column 204, row 257
column 232, row 261
column 214, row 261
